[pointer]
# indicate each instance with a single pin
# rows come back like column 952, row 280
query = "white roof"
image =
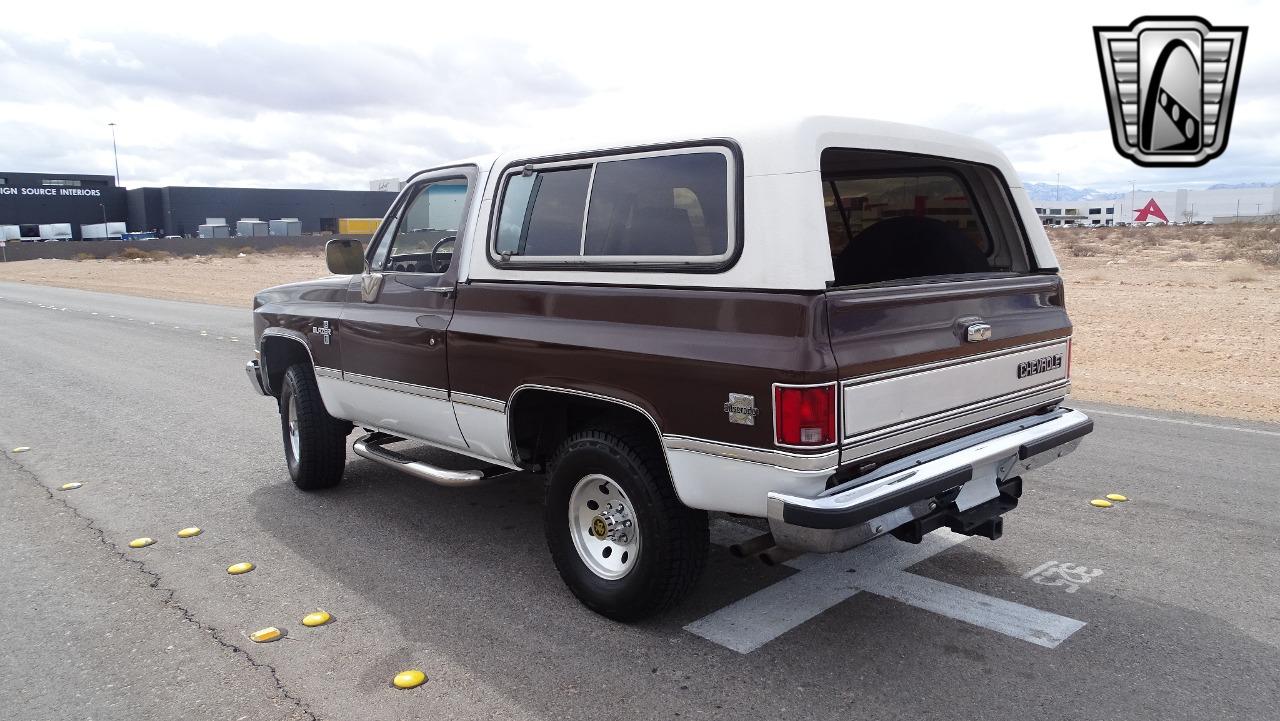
column 788, row 146
column 783, row 199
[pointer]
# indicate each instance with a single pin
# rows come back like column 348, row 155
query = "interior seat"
column 907, row 247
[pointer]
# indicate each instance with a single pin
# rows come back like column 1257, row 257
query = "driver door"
column 393, row 347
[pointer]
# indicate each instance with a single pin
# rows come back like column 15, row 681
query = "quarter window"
column 666, row 207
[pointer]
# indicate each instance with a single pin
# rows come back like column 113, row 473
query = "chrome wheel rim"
column 603, row 526
column 292, row 420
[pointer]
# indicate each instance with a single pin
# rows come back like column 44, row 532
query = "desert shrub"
column 143, row 255
column 1078, row 248
column 84, row 256
column 132, row 254
column 1186, row 255
column 1258, row 243
column 1241, row 276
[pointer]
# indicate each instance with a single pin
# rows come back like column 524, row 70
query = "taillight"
column 804, row 415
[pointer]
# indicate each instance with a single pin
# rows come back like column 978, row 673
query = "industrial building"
column 1217, row 205
column 56, row 206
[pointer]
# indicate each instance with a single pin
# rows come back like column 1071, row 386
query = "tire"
column 317, row 454
column 645, row 573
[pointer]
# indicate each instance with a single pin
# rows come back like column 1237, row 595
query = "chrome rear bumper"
column 254, row 370
column 907, row 489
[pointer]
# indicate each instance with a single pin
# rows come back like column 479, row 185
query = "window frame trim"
column 465, row 171
column 616, row 263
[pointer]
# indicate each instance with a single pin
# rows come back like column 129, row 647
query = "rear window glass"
column 925, row 218
column 664, row 207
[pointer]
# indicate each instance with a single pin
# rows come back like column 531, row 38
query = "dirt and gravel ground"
column 1171, row 318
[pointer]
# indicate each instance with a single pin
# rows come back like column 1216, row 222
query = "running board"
column 370, row 447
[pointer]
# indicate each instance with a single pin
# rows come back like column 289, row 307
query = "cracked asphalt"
column 159, row 424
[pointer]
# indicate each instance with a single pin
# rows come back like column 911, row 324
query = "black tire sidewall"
column 286, row 394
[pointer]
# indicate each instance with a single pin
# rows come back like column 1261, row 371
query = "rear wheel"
column 623, row 542
column 315, row 443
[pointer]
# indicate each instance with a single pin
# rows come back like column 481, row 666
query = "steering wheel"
column 439, row 263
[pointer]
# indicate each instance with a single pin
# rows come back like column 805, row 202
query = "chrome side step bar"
column 370, row 447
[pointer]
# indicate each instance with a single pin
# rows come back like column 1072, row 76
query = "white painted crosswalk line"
column 877, row 567
column 996, row 614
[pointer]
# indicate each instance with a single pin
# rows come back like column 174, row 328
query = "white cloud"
column 304, row 95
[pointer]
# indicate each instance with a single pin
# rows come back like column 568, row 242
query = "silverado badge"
column 742, row 409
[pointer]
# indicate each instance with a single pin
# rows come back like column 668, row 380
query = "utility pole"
column 1133, row 191
column 1057, row 187
column 114, row 155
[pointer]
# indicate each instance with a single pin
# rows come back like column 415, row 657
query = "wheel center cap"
column 612, row 523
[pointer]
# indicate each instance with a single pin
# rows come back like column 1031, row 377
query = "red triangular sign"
column 1151, row 208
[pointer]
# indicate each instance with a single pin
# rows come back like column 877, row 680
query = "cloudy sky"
column 308, row 95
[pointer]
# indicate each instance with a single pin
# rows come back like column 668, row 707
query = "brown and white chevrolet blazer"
column 847, row 328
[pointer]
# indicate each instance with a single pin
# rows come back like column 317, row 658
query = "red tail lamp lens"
column 805, row 416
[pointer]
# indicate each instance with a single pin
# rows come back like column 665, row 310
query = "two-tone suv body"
column 848, row 328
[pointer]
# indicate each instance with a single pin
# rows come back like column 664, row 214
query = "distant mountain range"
column 1049, row 191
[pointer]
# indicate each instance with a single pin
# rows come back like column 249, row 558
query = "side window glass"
column 673, row 205
column 542, row 213
column 430, row 216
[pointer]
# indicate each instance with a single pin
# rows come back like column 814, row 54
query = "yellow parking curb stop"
column 141, row 542
column 189, row 532
column 1117, row 497
column 1100, row 503
column 236, row 569
column 70, row 486
column 22, row 449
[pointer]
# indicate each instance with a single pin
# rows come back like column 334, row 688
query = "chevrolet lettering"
column 810, row 322
column 1039, row 365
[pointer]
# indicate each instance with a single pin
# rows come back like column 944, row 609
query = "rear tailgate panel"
column 909, row 374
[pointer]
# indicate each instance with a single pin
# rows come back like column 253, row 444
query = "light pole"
column 114, row 155
column 1133, row 192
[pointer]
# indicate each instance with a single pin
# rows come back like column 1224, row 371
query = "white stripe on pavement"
column 878, row 567
column 1012, row 619
column 1182, row 422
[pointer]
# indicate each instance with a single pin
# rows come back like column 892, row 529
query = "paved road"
column 158, row 422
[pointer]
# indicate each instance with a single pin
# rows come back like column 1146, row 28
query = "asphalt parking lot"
column 1162, row 607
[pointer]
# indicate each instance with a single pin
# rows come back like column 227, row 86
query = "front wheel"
column 315, row 443
column 623, row 542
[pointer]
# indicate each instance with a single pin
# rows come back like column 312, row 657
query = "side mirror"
column 344, row 256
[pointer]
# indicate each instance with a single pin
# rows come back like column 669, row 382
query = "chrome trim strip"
column 780, row 459
column 485, row 402
column 398, row 386
column 905, row 436
column 859, row 380
column 323, row 372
